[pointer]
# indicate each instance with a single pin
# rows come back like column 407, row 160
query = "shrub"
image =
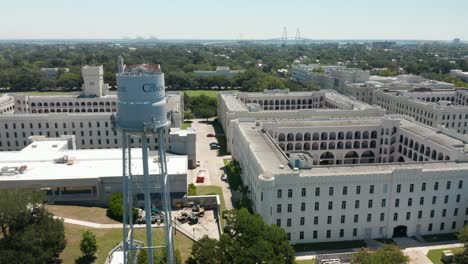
column 192, row 189
column 88, row 245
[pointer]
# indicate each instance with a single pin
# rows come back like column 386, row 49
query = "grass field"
column 307, row 261
column 186, row 125
column 109, row 238
column 440, row 237
column 208, row 190
column 329, row 245
column 209, row 93
column 435, row 255
column 84, row 213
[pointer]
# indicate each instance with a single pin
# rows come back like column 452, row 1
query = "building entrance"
column 400, row 231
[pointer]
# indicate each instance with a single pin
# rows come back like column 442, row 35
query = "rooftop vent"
column 281, row 166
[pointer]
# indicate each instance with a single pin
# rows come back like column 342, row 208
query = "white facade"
column 410, row 181
column 85, row 176
column 283, row 104
column 52, row 73
column 448, row 109
column 460, row 74
column 7, row 105
column 93, row 81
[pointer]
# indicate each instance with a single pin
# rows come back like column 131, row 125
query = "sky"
column 234, row 19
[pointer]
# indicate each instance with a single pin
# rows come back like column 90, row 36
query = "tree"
column 247, row 239
column 159, row 256
column 115, row 210
column 463, row 237
column 88, row 245
column 388, row 254
column 29, row 233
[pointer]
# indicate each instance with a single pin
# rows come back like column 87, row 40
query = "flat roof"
column 89, row 163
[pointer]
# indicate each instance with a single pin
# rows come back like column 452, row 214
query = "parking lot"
column 209, row 160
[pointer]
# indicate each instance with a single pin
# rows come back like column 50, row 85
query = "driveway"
column 209, row 160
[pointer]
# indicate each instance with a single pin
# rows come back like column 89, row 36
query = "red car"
column 201, row 176
column 211, row 135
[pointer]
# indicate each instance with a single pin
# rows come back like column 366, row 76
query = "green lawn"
column 329, row 245
column 186, row 125
column 209, row 93
column 435, row 255
column 440, row 237
column 307, row 261
column 208, row 190
column 109, row 238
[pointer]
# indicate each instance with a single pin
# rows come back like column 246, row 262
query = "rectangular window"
column 341, row 232
column 448, row 185
column 288, row 236
column 410, row 202
column 330, row 191
column 369, row 217
column 315, row 220
column 423, row 186
column 328, row 233
column 454, row 225
column 329, row 220
column 434, row 199
column 278, row 208
column 371, row 189
column 398, row 188
column 358, row 189
column 411, row 188
column 444, row 212
column 316, row 206
column 345, row 190
column 395, row 217
column 343, row 205
column 458, row 198
column 279, row 194
column 354, row 232
column 303, row 207
column 303, row 192
column 429, row 228
column 288, row 222
column 421, row 201
column 419, row 214
column 356, row 218
column 289, row 208
column 317, row 191
column 442, row 226
column 290, row 193
column 330, row 205
column 431, row 215
column 278, row 222
column 301, row 235
column 446, row 199
column 382, row 217
column 369, row 204
column 436, row 186
column 343, row 218
column 408, row 215
column 384, row 201
column 314, row 234
column 356, row 204
column 397, row 202
column 460, row 184
column 302, row 221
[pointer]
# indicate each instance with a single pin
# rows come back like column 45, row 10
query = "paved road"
column 417, row 251
column 209, row 160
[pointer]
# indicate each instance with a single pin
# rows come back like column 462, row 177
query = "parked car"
column 198, row 163
column 224, row 177
column 211, row 135
column 214, row 144
column 201, row 176
column 215, row 147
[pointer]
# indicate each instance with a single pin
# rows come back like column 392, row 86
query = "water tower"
column 141, row 112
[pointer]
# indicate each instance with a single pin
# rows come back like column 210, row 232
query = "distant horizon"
column 242, row 19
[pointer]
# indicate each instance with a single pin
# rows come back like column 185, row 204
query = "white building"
column 283, row 104
column 7, row 105
column 363, row 91
column 220, row 71
column 460, row 74
column 52, row 73
column 353, row 178
column 84, row 176
column 447, row 108
column 93, row 81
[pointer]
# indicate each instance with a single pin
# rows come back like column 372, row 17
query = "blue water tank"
column 141, row 101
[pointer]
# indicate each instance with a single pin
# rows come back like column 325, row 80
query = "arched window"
column 349, row 135
column 341, row 135
column 351, row 158
column 340, row 145
column 307, row 136
column 327, row 158
column 298, row 137
column 365, row 135
column 331, row 145
column 316, row 136
column 281, row 137
column 357, row 144
column 290, row 146
column 332, row 136
column 365, row 144
column 357, row 135
column 281, row 145
column 298, row 146
column 324, row 136
column 440, row 156
column 434, row 154
column 374, row 134
column 446, row 158
column 373, row 144
column 428, row 151
column 290, row 136
column 421, row 149
column 307, row 146
column 367, row 157
column 315, row 145
column 416, row 146
column 323, row 145
column 411, row 143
